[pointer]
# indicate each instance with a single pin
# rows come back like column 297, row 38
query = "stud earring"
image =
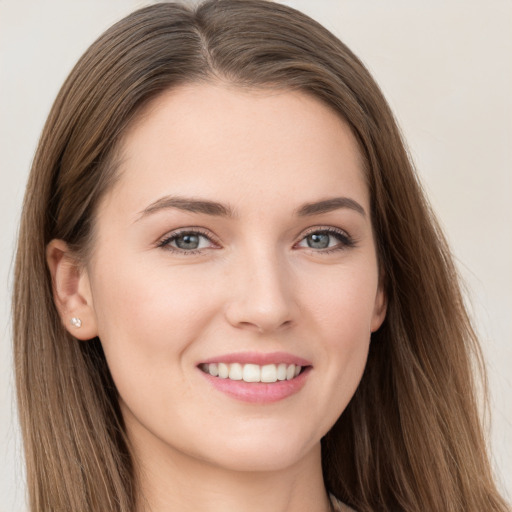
column 76, row 322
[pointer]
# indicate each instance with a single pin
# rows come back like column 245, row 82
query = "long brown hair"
column 411, row 438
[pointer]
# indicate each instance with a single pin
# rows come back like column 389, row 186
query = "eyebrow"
column 188, row 204
column 329, row 205
column 214, row 208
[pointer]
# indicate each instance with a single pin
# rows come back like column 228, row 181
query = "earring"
column 76, row 322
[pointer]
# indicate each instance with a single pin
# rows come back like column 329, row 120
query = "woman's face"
column 237, row 241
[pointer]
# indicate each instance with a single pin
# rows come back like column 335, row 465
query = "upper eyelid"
column 313, row 229
column 183, row 231
column 320, row 229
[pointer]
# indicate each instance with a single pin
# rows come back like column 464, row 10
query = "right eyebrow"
column 189, row 204
column 329, row 205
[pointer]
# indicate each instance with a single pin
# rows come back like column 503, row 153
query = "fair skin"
column 281, row 269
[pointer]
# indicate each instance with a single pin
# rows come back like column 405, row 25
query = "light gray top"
column 338, row 506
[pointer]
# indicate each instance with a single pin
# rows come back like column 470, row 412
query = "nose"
column 261, row 295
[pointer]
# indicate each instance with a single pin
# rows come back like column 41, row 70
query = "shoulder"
column 338, row 506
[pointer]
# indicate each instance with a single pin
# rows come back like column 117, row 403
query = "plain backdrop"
column 446, row 69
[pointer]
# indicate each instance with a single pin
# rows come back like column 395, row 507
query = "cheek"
column 343, row 303
column 135, row 297
column 147, row 318
column 145, row 326
column 341, row 308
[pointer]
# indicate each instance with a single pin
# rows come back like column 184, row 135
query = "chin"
column 263, row 453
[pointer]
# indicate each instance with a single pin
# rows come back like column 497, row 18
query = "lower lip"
column 259, row 392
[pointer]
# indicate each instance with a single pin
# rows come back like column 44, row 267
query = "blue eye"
column 186, row 241
column 319, row 240
column 326, row 239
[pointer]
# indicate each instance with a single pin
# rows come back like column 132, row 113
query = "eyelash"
column 345, row 240
column 165, row 243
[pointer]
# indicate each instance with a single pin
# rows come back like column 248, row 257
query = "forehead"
column 230, row 143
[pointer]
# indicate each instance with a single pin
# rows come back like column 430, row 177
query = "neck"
column 174, row 481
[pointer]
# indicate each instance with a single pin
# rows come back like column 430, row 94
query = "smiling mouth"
column 267, row 373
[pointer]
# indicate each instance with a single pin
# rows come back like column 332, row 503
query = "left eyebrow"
column 329, row 205
column 188, row 204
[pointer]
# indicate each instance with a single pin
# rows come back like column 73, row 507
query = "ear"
column 379, row 309
column 71, row 291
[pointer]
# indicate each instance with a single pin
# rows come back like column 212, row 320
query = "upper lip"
column 258, row 358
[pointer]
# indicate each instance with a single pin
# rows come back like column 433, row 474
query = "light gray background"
column 446, row 69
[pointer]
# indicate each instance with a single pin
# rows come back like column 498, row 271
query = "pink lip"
column 258, row 358
column 259, row 392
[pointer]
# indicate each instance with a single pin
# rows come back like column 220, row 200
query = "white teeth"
column 235, row 371
column 253, row 372
column 269, row 373
column 223, row 371
column 213, row 369
column 281, row 372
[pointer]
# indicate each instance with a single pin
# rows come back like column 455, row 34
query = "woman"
column 230, row 292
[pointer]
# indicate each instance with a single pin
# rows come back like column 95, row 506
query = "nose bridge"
column 262, row 295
